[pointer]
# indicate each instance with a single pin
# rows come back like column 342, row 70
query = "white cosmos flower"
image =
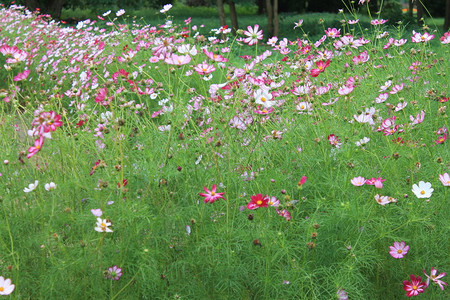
column 31, row 187
column 120, row 12
column 50, row 186
column 103, row 225
column 264, row 98
column 165, row 8
column 423, row 190
column 6, row 287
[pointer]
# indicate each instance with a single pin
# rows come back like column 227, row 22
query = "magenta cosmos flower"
column 435, row 278
column 398, row 250
column 211, row 195
column 258, row 201
column 415, row 287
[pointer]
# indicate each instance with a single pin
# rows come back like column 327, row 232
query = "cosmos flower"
column 358, row 181
column 435, row 278
column 31, row 187
column 6, row 287
column 445, row 179
column 211, row 195
column 165, row 8
column 398, row 250
column 423, row 190
column 113, row 273
column 103, row 225
column 415, row 287
column 50, row 186
column 253, row 35
column 258, row 201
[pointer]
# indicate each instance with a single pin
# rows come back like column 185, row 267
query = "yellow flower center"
column 422, row 192
column 302, row 107
column 259, row 202
column 399, row 251
column 263, row 99
column 103, row 225
column 213, row 193
column 38, row 147
column 414, row 287
column 2, row 289
column 204, row 70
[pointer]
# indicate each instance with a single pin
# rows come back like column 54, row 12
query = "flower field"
column 172, row 161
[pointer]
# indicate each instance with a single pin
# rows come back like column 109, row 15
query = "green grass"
column 338, row 236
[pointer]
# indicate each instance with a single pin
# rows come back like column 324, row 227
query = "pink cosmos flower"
column 37, row 146
column 333, row 33
column 334, row 141
column 415, row 287
column 253, row 35
column 204, row 68
column 178, row 60
column 258, row 201
column 361, row 58
column 22, row 76
column 215, row 57
column 418, row 119
column 321, row 66
column 113, row 273
column 378, row 22
column 441, row 139
column 273, row 201
column 211, row 195
column 419, row 38
column 445, row 39
column 284, row 213
column 302, row 181
column 358, row 181
column 377, row 182
column 342, row 294
column 398, row 250
column 445, row 179
column 47, row 121
column 435, row 278
column 97, row 212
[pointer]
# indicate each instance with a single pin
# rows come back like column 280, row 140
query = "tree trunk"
column 233, row 17
column 260, row 4
column 269, row 17
column 276, row 24
column 222, row 19
column 419, row 13
column 410, row 7
column 447, row 15
column 51, row 7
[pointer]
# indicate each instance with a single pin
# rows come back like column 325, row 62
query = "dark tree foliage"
column 293, row 6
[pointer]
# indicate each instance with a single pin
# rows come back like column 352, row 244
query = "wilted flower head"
column 435, row 278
